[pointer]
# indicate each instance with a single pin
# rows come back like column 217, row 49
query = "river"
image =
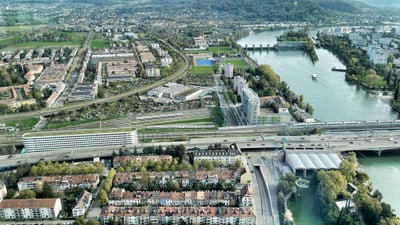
column 333, row 99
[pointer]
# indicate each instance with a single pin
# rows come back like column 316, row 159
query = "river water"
column 333, row 99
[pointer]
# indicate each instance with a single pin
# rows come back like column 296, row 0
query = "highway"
column 74, row 106
column 375, row 141
column 265, row 218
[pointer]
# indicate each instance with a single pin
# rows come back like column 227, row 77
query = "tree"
column 47, row 191
column 348, row 170
column 26, row 194
column 173, row 185
column 236, row 165
column 102, row 198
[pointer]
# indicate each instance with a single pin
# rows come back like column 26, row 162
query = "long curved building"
column 74, row 139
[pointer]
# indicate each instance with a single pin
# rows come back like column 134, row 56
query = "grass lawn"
column 45, row 44
column 221, row 49
column 188, row 121
column 99, row 43
column 238, row 63
column 202, row 70
column 24, row 124
column 10, row 41
column 195, row 51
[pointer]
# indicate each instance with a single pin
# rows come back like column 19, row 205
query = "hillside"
column 263, row 10
column 271, row 10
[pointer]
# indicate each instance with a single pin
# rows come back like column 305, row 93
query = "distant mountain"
column 381, row 3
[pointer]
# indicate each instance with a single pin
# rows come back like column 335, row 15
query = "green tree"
column 26, row 194
column 46, row 191
column 348, row 170
column 102, row 198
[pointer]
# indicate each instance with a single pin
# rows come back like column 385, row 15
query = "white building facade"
column 42, row 142
column 250, row 105
column 13, row 209
column 228, row 70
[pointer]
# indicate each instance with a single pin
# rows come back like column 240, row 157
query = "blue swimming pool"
column 205, row 62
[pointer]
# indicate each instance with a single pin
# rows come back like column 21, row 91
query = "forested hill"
column 267, row 10
column 271, row 10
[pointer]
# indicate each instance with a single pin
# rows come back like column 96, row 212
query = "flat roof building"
column 250, row 105
column 50, row 141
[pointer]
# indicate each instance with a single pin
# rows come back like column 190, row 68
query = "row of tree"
column 48, row 168
column 102, row 196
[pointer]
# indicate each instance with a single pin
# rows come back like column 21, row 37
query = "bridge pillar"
column 254, row 47
column 379, row 152
column 245, row 47
column 260, row 47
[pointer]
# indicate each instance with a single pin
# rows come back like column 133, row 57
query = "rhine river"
column 333, row 99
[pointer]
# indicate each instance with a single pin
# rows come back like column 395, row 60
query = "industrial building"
column 302, row 164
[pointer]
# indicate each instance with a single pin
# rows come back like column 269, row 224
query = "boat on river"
column 314, row 76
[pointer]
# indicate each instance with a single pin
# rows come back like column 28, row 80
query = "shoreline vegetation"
column 348, row 184
column 298, row 39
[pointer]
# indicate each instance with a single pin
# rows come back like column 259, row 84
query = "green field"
column 13, row 29
column 195, row 51
column 45, row 44
column 221, row 49
column 24, row 124
column 99, row 43
column 10, row 41
column 238, row 63
column 202, row 70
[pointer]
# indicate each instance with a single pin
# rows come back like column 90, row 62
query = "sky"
column 382, row 3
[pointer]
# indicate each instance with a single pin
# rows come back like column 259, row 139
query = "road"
column 74, row 106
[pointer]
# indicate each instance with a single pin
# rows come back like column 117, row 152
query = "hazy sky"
column 382, row 3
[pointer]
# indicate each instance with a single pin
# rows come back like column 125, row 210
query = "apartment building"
column 141, row 159
column 250, row 105
column 28, row 209
column 60, row 183
column 173, row 215
column 73, row 139
column 226, row 157
column 83, row 204
column 121, row 197
column 182, row 177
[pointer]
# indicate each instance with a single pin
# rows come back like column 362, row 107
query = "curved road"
column 181, row 71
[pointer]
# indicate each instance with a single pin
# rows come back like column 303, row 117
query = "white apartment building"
column 72, row 139
column 226, row 157
column 238, row 84
column 250, row 105
column 189, row 215
column 3, row 191
column 82, row 205
column 228, row 70
column 13, row 209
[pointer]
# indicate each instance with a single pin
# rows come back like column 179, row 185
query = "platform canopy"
column 313, row 161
